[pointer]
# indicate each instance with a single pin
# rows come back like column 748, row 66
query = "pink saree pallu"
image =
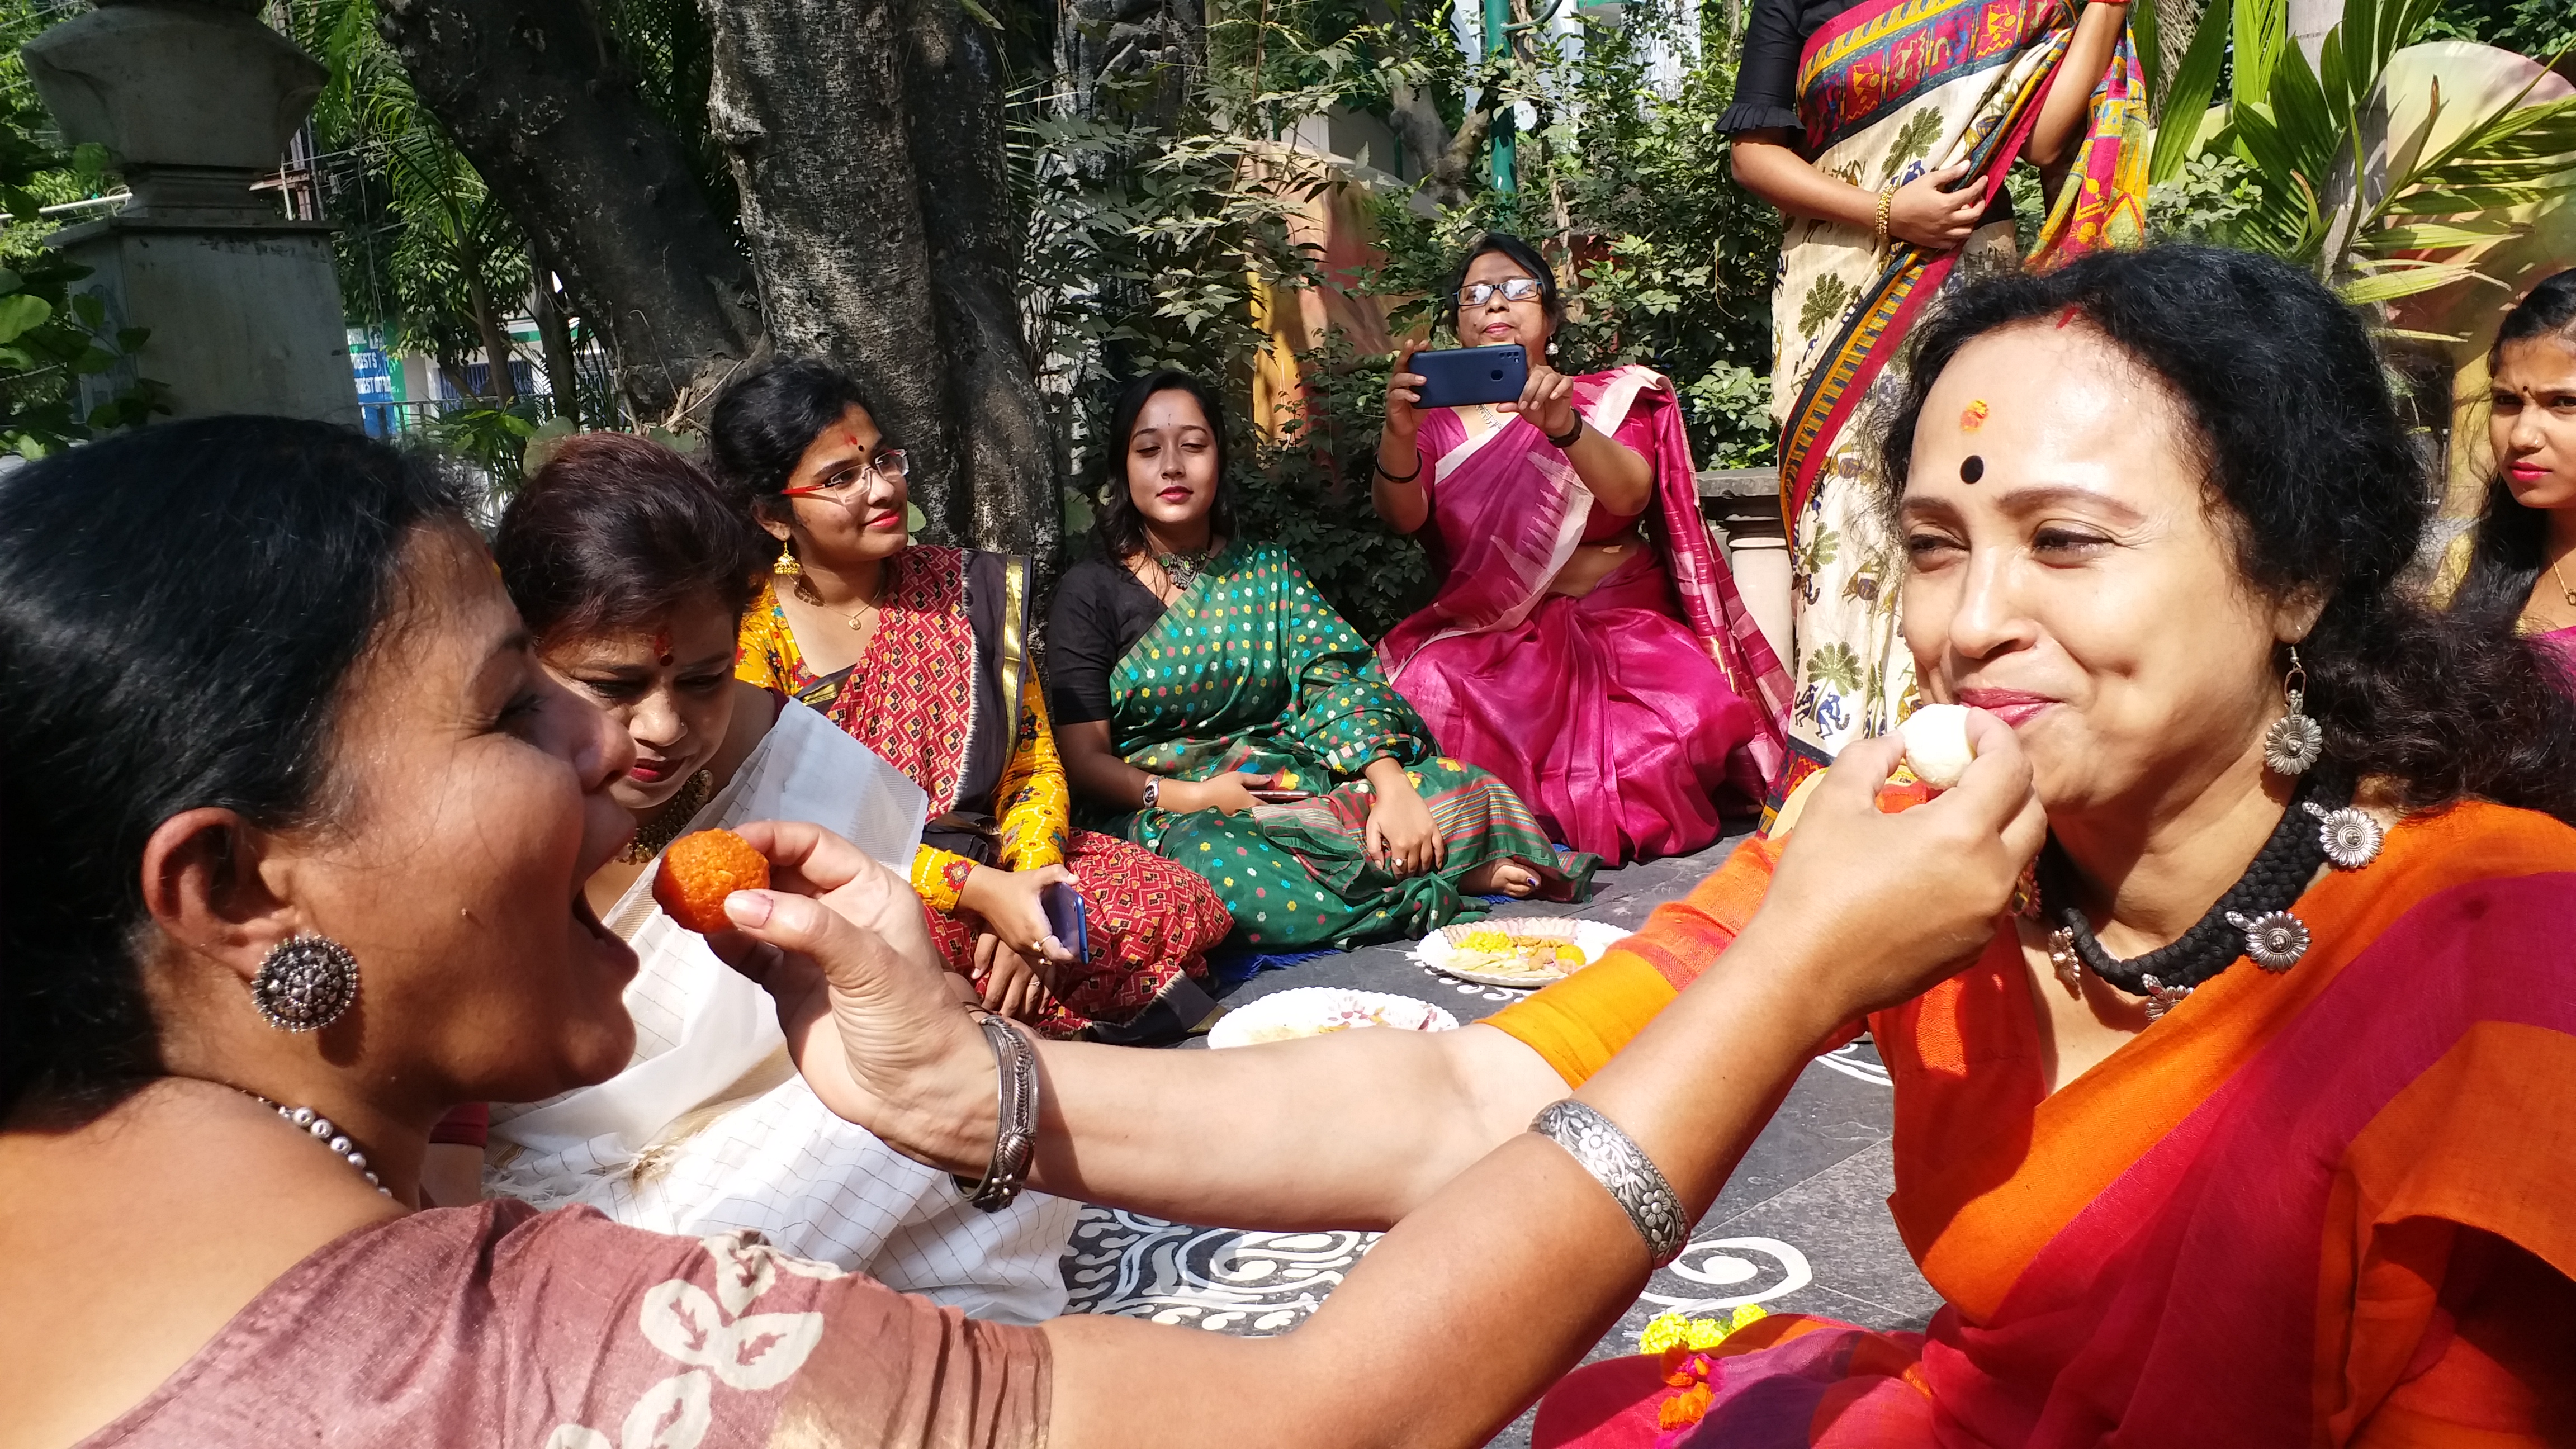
column 1627, row 717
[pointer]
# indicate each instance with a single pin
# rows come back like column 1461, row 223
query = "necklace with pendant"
column 856, row 619
column 2563, row 591
column 1182, row 569
column 670, row 820
column 2252, row 920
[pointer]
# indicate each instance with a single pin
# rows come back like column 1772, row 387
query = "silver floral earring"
column 2294, row 741
column 305, row 983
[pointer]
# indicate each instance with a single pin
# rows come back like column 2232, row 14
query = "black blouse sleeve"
column 1100, row 611
column 1766, row 79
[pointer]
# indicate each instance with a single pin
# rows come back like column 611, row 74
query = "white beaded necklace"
column 323, row 1132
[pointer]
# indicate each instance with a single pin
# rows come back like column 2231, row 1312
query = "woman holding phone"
column 921, row 654
column 1586, row 644
column 1210, row 706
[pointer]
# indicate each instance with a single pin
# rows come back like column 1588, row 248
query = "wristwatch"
column 1153, row 791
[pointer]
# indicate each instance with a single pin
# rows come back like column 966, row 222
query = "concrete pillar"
column 195, row 101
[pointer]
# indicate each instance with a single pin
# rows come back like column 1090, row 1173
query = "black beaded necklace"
column 2253, row 919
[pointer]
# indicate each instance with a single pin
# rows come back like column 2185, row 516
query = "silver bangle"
column 1015, row 1138
column 1624, row 1170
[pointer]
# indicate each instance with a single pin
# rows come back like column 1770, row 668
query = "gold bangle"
column 1886, row 204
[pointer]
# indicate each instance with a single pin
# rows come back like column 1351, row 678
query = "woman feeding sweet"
column 633, row 570
column 297, row 833
column 921, row 654
column 1586, row 645
column 1192, row 668
column 2226, row 1137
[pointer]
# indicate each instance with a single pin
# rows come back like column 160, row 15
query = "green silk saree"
column 1251, row 670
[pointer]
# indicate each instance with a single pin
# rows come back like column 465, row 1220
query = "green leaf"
column 91, row 311
column 2426, row 236
column 93, row 360
column 980, row 13
column 89, row 164
column 2309, row 130
column 2187, row 104
column 10, row 281
column 2406, row 280
column 131, row 339
column 2261, row 33
column 20, row 312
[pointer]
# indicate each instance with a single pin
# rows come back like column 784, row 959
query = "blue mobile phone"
column 1457, row 376
column 1065, row 919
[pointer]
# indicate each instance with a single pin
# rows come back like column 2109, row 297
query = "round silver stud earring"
column 2294, row 741
column 305, row 983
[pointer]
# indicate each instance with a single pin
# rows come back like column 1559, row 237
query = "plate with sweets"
column 1523, row 953
column 1321, row 1011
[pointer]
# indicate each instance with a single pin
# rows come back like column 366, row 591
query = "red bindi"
column 662, row 645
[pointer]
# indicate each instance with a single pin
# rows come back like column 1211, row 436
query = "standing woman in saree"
column 920, row 653
column 1192, row 669
column 1883, row 128
column 1586, row 645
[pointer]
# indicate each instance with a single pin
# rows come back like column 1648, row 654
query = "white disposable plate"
column 1310, row 1010
column 1439, row 949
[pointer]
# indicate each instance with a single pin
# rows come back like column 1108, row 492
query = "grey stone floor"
column 1802, row 1226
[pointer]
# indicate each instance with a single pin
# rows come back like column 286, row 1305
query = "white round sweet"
column 1936, row 744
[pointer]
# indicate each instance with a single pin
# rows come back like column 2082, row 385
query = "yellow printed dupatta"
column 1888, row 92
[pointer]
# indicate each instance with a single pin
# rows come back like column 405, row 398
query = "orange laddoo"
column 700, row 870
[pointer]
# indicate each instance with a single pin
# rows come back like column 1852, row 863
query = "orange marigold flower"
column 1684, row 1409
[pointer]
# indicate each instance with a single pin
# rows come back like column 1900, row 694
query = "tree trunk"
column 535, row 97
column 503, row 387
column 975, row 232
column 865, row 136
column 563, row 374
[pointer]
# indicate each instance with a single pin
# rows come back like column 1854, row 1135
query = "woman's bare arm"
column 1924, row 211
column 1523, row 1254
column 1095, row 769
column 1616, row 475
column 1520, row 1263
column 2070, row 96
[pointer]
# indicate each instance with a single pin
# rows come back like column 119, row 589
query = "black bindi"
column 1971, row 468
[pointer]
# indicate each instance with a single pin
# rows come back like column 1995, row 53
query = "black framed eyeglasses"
column 1514, row 289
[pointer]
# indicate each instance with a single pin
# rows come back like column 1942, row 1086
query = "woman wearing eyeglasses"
column 921, row 655
column 1586, row 645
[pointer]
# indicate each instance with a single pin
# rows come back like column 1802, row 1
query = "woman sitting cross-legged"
column 2249, row 1128
column 921, row 654
column 633, row 569
column 1212, row 707
column 1586, row 644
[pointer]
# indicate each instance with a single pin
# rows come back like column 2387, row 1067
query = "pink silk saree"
column 1625, row 717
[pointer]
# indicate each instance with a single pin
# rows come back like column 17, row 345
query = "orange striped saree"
column 2334, row 1206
